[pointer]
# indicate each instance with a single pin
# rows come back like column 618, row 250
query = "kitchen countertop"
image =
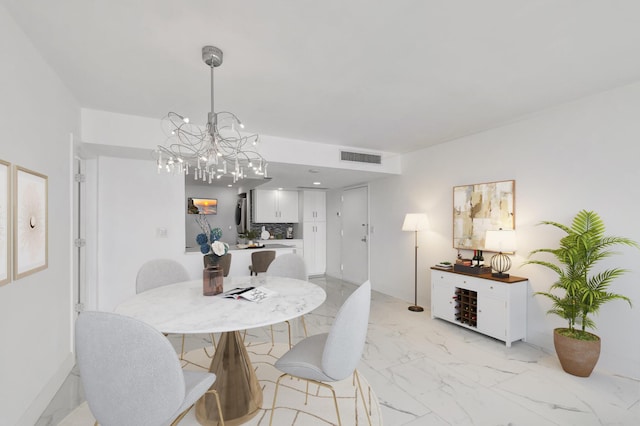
column 266, row 246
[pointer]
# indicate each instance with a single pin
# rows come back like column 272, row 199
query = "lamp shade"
column 415, row 222
column 500, row 241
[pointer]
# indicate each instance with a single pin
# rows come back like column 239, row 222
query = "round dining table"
column 182, row 308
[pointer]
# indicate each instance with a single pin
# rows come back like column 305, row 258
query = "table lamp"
column 500, row 241
column 415, row 222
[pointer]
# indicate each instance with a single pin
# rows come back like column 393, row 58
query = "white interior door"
column 355, row 235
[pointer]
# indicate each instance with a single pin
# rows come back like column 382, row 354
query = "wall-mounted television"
column 202, row 206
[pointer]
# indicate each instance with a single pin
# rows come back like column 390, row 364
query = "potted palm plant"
column 580, row 290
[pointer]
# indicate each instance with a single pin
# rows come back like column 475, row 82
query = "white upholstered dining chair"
column 289, row 265
column 160, row 272
column 334, row 356
column 131, row 374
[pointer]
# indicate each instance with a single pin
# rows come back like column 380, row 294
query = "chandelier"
column 219, row 149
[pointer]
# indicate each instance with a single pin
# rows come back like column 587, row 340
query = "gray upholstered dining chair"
column 131, row 374
column 289, row 265
column 260, row 261
column 159, row 272
column 224, row 262
column 334, row 356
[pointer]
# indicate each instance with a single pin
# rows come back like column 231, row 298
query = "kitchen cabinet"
column 274, row 206
column 313, row 210
column 314, row 206
column 315, row 247
column 491, row 306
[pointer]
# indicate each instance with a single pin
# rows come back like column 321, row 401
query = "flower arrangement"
column 209, row 239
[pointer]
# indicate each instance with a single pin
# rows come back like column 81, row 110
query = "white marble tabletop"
column 182, row 309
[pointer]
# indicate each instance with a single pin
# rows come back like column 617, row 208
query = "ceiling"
column 392, row 76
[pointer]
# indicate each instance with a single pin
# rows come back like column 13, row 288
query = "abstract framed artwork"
column 481, row 207
column 5, row 248
column 30, row 222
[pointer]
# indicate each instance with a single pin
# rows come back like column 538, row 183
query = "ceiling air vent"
column 359, row 157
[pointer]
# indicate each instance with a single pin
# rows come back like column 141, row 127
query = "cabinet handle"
column 491, row 287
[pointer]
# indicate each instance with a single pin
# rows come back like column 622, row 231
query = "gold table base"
column 236, row 383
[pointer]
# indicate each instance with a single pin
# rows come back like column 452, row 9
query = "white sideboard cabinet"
column 491, row 306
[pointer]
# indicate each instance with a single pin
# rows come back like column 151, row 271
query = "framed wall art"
column 5, row 248
column 481, row 207
column 30, row 222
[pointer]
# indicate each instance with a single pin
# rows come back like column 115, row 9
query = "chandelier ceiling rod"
column 212, row 56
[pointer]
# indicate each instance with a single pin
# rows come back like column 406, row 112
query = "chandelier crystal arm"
column 206, row 151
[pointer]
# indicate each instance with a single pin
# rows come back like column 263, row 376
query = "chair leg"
column 366, row 410
column 184, row 413
column 335, row 402
column 333, row 393
column 324, row 385
column 181, row 416
column 182, row 349
column 275, row 396
column 215, row 393
column 304, row 326
column 215, row 346
column 289, row 330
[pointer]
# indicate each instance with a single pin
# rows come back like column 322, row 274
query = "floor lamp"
column 415, row 222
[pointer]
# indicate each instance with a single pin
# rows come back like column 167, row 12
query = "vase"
column 212, row 280
column 211, row 260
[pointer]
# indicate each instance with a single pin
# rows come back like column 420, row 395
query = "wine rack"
column 466, row 306
column 495, row 307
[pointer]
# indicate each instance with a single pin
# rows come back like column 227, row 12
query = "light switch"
column 161, row 232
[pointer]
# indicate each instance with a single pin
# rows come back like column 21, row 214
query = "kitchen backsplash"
column 277, row 230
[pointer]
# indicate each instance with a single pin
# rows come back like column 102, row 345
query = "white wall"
column 582, row 155
column 133, row 202
column 37, row 117
column 225, row 219
column 107, row 128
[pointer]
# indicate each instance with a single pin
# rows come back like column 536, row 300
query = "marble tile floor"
column 430, row 372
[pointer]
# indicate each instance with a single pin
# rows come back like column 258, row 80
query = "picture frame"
column 5, row 220
column 481, row 207
column 208, row 206
column 30, row 222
